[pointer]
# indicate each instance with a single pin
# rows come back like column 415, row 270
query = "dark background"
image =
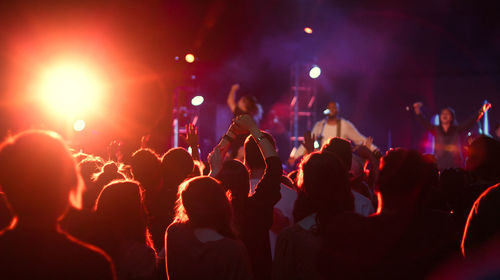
column 376, row 57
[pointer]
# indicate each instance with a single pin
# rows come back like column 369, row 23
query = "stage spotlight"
column 315, row 72
column 70, row 89
column 189, row 58
column 79, row 125
column 308, row 30
column 197, row 100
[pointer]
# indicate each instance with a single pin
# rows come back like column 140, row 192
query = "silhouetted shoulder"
column 41, row 255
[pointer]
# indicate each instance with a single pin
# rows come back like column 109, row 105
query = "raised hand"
column 215, row 160
column 235, row 129
column 245, row 122
column 309, row 142
column 192, row 138
column 235, row 87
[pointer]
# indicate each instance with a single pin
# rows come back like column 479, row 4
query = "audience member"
column 253, row 213
column 201, row 244
column 39, row 178
column 323, row 193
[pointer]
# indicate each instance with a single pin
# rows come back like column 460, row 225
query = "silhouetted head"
column 38, row 176
column 484, row 158
column 120, row 211
column 323, row 188
column 235, row 177
column 177, row 165
column 88, row 168
column 341, row 148
column 202, row 203
column 146, row 167
column 447, row 116
column 253, row 157
column 406, row 178
column 109, row 173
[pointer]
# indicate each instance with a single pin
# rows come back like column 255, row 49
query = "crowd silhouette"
column 345, row 212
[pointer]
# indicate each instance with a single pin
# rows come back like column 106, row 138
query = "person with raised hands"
column 253, row 214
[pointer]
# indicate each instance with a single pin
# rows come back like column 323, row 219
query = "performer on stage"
column 447, row 144
column 333, row 126
column 246, row 105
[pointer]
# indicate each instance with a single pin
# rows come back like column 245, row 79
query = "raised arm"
column 350, row 132
column 231, row 98
column 468, row 124
column 309, row 139
column 216, row 157
column 417, row 107
column 268, row 188
column 246, row 122
column 192, row 140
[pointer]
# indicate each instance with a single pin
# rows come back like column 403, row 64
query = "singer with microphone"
column 332, row 126
column 447, row 144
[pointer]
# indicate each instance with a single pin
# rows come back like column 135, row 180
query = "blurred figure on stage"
column 331, row 126
column 447, row 147
column 247, row 104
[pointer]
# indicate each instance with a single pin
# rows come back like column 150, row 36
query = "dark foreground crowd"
column 343, row 214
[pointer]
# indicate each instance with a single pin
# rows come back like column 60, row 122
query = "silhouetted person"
column 342, row 149
column 88, row 168
column 484, row 164
column 146, row 168
column 121, row 230
column 323, row 192
column 109, row 172
column 200, row 243
column 177, row 165
column 253, row 213
column 483, row 160
column 38, row 176
column 405, row 240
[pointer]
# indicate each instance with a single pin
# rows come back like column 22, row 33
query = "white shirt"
column 362, row 205
column 326, row 131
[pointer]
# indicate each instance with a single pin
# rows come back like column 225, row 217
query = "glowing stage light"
column 70, row 89
column 79, row 125
column 189, row 58
column 197, row 100
column 308, row 30
column 315, row 72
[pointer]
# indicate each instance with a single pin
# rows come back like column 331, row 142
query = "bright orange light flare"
column 308, row 30
column 189, row 58
column 70, row 89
